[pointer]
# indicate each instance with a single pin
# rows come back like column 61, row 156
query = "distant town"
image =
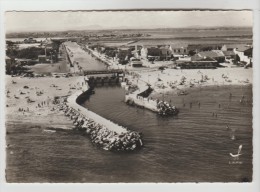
column 128, row 54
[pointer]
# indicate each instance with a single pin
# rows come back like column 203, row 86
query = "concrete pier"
column 161, row 107
column 141, row 101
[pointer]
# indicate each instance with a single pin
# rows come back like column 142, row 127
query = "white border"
column 40, row 5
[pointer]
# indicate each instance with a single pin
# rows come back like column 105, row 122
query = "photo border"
column 124, row 5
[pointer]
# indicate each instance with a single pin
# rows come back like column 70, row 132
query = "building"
column 217, row 55
column 22, row 61
column 243, row 52
column 165, row 53
column 124, row 55
column 244, row 55
column 229, row 55
column 179, row 50
column 137, row 51
column 203, row 47
column 198, row 62
column 136, row 62
column 233, row 47
column 42, row 59
column 150, row 52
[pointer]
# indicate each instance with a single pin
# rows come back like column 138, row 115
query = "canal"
column 85, row 60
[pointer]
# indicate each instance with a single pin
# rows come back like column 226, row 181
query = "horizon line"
column 132, row 28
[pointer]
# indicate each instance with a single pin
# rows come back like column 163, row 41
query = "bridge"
column 111, row 71
column 96, row 78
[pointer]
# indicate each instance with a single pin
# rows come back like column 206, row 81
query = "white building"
column 243, row 51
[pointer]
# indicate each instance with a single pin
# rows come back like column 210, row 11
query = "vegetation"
column 31, row 53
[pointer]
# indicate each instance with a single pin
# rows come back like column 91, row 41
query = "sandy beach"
column 34, row 97
column 175, row 80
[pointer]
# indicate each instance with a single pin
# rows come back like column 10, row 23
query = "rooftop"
column 239, row 47
column 150, row 46
column 212, row 54
column 201, row 58
column 124, row 49
column 179, row 45
column 229, row 53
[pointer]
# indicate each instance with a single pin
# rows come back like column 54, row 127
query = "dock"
column 163, row 108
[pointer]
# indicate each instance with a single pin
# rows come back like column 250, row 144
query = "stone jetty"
column 102, row 132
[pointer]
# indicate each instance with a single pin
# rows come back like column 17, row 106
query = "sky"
column 83, row 20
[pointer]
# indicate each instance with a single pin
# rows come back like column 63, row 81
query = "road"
column 62, row 66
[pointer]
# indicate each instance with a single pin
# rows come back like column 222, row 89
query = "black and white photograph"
column 129, row 96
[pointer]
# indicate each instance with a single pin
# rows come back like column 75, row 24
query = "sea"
column 194, row 146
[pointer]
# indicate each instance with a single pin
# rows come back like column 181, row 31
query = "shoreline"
column 31, row 99
column 186, row 90
column 118, row 138
column 91, row 146
column 58, row 87
column 174, row 81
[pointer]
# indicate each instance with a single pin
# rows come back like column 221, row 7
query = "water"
column 193, row 147
column 85, row 60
